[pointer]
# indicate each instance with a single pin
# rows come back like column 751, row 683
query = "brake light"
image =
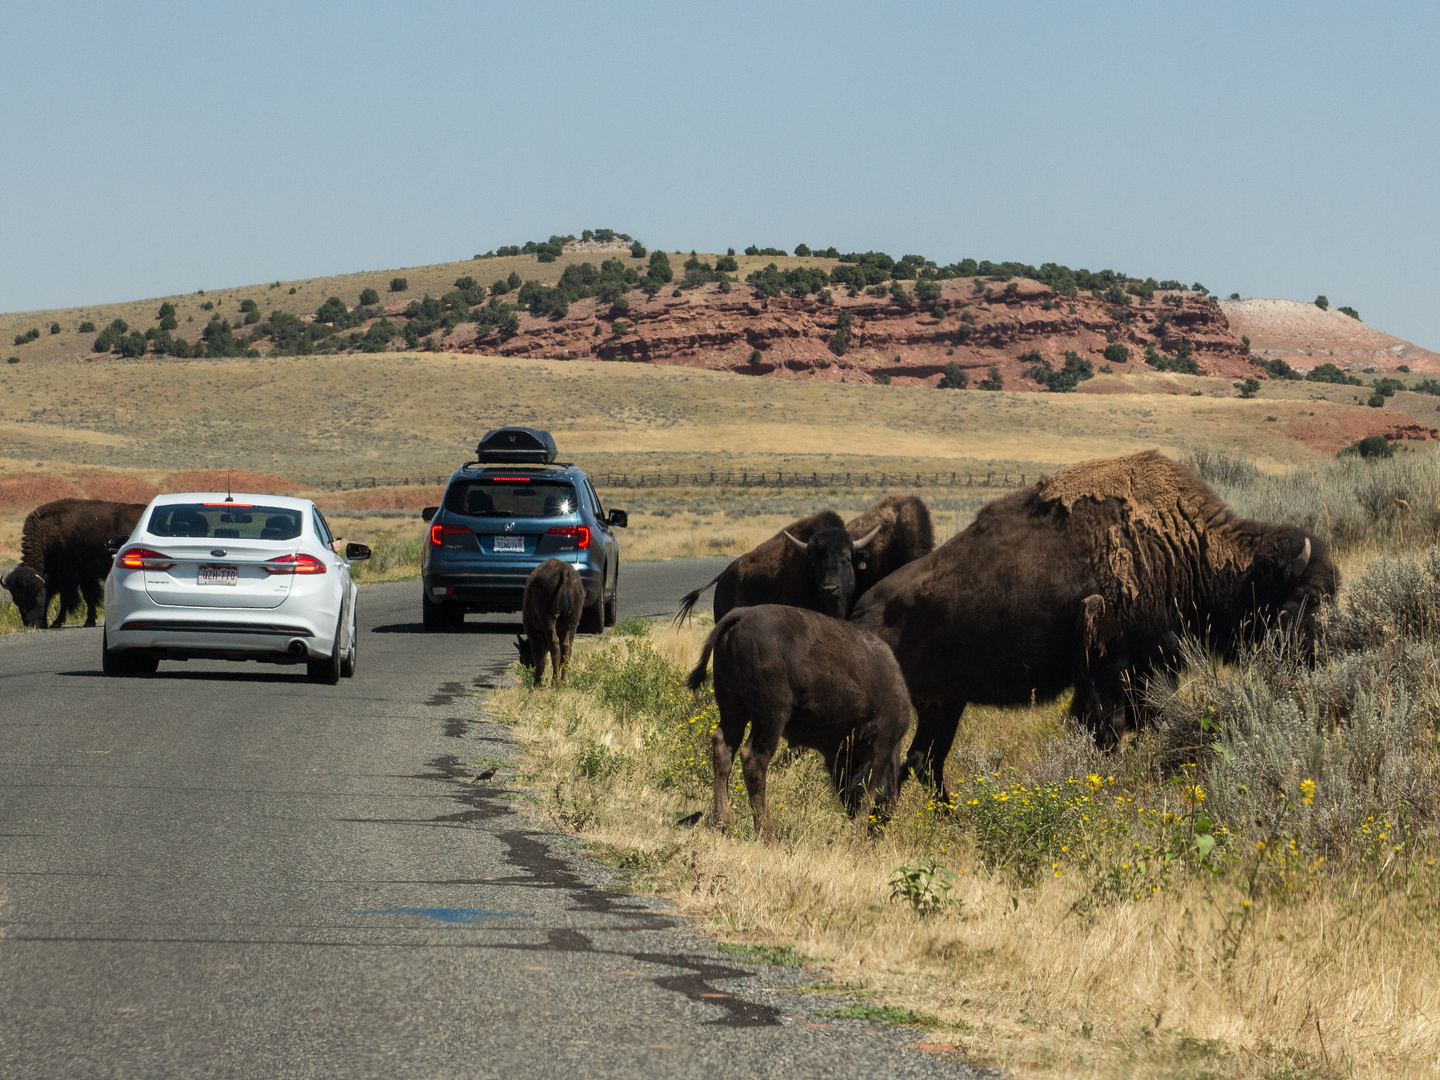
column 511, row 479
column 438, row 532
column 143, row 559
column 232, row 505
column 579, row 533
column 294, row 564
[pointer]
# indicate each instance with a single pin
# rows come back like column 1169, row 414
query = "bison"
column 550, row 614
column 1086, row 579
column 819, row 682
column 62, row 551
column 821, row 563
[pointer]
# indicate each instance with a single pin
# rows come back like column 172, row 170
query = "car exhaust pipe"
column 297, row 648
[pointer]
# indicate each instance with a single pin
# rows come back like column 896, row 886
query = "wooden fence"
column 736, row 478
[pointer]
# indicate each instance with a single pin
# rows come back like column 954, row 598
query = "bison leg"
column 884, row 777
column 539, row 656
column 69, row 601
column 755, row 763
column 934, row 735
column 723, row 742
column 90, row 589
column 557, row 664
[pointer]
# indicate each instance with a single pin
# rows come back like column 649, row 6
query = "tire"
column 592, row 617
column 347, row 664
column 437, row 617
column 117, row 665
column 326, row 671
column 612, row 606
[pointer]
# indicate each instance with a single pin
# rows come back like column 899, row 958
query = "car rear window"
column 225, row 521
column 523, row 496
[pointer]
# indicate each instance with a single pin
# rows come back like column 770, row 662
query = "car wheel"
column 436, row 617
column 118, row 665
column 326, row 671
column 612, row 606
column 592, row 617
column 347, row 665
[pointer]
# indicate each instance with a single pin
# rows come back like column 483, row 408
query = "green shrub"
column 1349, row 311
column 331, row 310
column 826, row 297
column 1076, row 370
column 953, row 378
column 1387, row 387
column 882, row 380
column 514, row 279
column 659, row 270
column 637, row 250
column 399, row 284
column 928, row 291
column 1376, row 401
column 993, row 381
column 1374, row 446
column 1322, row 303
column 369, row 297
column 726, row 264
column 86, row 327
column 54, row 328
column 755, row 358
column 837, row 343
column 12, row 359
column 499, row 287
column 30, row 335
column 620, row 328
column 1249, row 388
column 899, row 295
column 1234, row 296
column 1279, row 369
column 1329, row 373
column 1117, row 353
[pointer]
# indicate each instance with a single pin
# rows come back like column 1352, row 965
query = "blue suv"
column 503, row 515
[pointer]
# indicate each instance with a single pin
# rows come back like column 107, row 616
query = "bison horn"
column 1301, row 561
column 860, row 544
column 798, row 543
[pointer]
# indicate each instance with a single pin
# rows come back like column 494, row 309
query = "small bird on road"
column 486, row 775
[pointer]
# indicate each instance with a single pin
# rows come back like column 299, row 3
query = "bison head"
column 833, row 556
column 27, row 589
column 1292, row 577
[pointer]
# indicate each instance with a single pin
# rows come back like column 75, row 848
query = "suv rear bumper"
column 499, row 591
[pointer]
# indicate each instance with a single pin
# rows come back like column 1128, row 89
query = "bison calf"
column 550, row 612
column 819, row 682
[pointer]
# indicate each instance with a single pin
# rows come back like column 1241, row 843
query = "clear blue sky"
column 1273, row 150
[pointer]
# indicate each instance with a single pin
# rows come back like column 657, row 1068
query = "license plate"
column 218, row 575
column 509, row 543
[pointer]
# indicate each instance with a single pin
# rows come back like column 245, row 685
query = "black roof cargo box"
column 517, row 446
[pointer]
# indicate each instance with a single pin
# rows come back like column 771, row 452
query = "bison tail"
column 697, row 676
column 689, row 600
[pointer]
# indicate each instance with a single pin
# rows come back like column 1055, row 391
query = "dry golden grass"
column 323, row 418
column 1333, row 978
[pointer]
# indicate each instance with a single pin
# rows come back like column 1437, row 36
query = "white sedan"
column 216, row 576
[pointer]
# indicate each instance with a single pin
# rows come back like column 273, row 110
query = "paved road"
column 225, row 871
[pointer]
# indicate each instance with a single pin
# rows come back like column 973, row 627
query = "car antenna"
column 228, row 497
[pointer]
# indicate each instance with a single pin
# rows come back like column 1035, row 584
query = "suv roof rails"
column 478, row 466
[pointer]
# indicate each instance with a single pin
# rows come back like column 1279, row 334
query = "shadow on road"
column 202, row 676
column 465, row 628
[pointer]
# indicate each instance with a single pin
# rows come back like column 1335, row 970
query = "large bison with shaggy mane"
column 62, row 551
column 1086, row 580
column 822, row 563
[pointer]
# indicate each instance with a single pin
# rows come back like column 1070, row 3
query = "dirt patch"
column 118, row 487
column 1331, row 430
column 34, row 490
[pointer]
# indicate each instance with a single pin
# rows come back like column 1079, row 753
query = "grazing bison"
column 817, row 681
column 822, row 564
column 1085, row 580
column 550, row 614
column 62, row 551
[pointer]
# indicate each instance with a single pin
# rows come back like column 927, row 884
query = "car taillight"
column 294, row 564
column 579, row 533
column 143, row 559
column 438, row 532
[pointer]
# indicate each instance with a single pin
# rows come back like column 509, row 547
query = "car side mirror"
column 619, row 518
column 113, row 544
column 355, row 552
column 429, row 512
